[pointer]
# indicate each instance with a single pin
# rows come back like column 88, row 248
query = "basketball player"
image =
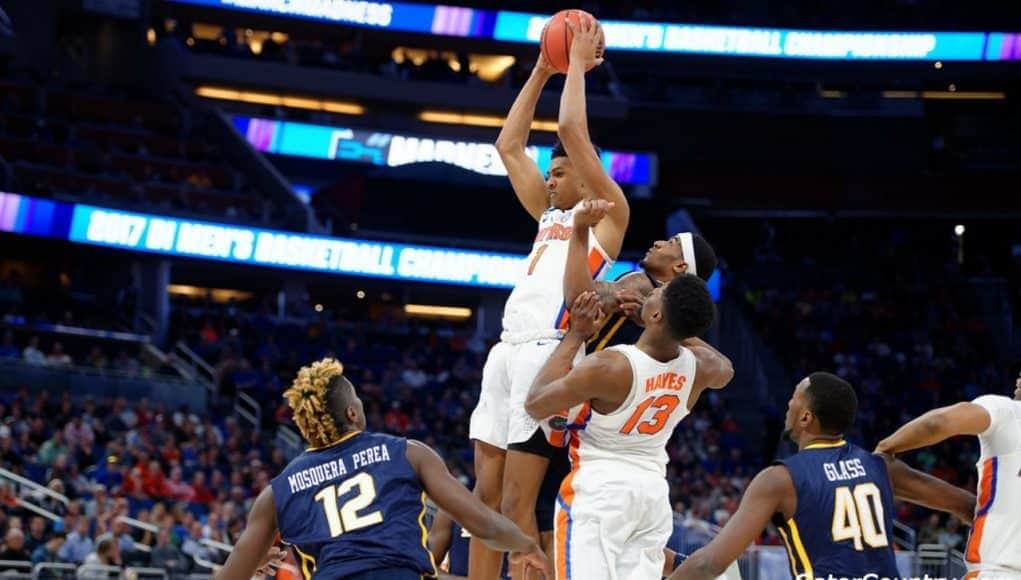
column 832, row 501
column 535, row 315
column 994, row 548
column 613, row 515
column 534, row 490
column 353, row 504
column 448, row 542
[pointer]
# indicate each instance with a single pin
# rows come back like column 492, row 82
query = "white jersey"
column 995, row 543
column 638, row 431
column 535, row 309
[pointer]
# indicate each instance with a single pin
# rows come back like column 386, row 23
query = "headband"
column 687, row 242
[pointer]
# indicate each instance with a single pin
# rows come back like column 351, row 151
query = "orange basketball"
column 555, row 42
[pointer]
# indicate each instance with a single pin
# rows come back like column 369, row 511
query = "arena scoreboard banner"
column 647, row 36
column 395, row 150
column 173, row 236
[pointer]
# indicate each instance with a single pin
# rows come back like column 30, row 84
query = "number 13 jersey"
column 637, row 432
column 353, row 506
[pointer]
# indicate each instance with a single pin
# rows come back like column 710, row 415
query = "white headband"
column 688, row 249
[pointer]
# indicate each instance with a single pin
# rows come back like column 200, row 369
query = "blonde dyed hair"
column 307, row 397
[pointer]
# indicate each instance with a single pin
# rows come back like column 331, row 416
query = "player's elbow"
column 723, row 375
column 508, row 145
column 936, row 422
column 532, row 407
column 726, row 373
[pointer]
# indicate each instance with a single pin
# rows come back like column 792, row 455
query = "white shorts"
column 990, row 572
column 613, row 522
column 500, row 418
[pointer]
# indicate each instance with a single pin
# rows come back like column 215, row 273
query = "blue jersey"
column 843, row 524
column 618, row 328
column 353, row 506
column 457, row 555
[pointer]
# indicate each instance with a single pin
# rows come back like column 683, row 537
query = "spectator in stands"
column 58, row 357
column 929, row 534
column 14, row 547
column 88, row 452
column 7, row 348
column 168, row 557
column 52, row 448
column 100, row 502
column 97, row 358
column 77, row 432
column 951, row 537
column 78, row 545
column 202, row 492
column 193, row 546
column 120, row 532
column 36, row 534
column 107, row 554
column 413, row 376
column 32, row 354
column 49, row 552
column 10, row 457
column 177, row 488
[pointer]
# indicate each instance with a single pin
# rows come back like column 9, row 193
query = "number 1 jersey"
column 844, row 518
column 353, row 506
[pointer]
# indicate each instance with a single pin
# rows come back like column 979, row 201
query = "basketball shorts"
column 612, row 522
column 500, row 419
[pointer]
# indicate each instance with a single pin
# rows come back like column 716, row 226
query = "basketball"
column 555, row 42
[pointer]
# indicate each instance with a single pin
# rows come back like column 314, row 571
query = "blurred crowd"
column 904, row 326
column 125, row 150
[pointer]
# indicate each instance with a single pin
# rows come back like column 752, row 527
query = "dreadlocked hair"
column 307, row 397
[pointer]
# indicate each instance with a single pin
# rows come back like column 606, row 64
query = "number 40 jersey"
column 843, row 520
column 353, row 506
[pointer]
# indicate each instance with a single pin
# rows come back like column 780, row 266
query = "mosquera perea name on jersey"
column 330, row 470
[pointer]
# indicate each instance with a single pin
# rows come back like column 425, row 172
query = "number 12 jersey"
column 353, row 506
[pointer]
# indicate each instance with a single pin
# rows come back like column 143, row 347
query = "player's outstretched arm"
column 599, row 375
column 524, row 174
column 936, row 426
column 255, row 547
column 925, row 490
column 763, row 498
column 498, row 532
column 572, row 128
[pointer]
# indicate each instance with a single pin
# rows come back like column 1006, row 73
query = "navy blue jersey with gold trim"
column 353, row 506
column 843, row 524
column 619, row 329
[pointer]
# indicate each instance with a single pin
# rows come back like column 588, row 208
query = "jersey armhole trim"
column 992, row 416
column 594, row 242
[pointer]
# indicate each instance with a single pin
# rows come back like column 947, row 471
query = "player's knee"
column 488, row 493
column 511, row 504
